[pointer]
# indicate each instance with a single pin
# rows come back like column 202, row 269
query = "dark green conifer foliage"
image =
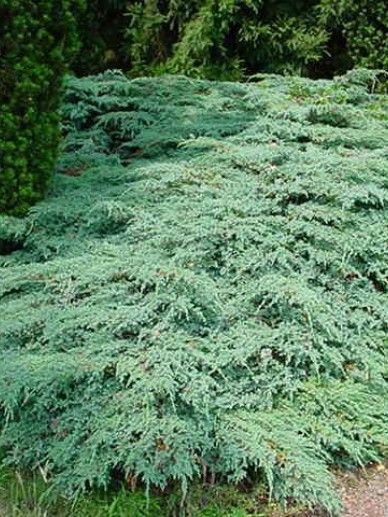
column 102, row 34
column 364, row 28
column 204, row 292
column 221, row 39
column 37, row 40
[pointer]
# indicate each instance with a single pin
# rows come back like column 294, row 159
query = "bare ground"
column 365, row 493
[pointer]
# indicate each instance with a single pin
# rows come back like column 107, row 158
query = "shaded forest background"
column 227, row 39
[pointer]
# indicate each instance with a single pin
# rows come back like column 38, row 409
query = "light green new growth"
column 203, row 293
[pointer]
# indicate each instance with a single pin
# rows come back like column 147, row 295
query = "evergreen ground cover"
column 203, row 293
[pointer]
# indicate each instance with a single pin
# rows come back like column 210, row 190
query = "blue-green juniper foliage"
column 203, row 293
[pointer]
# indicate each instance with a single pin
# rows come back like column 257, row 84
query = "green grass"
column 28, row 495
column 22, row 495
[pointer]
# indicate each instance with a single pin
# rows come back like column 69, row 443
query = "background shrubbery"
column 230, row 38
column 37, row 42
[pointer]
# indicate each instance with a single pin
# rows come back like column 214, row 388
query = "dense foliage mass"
column 231, row 38
column 37, row 40
column 203, row 293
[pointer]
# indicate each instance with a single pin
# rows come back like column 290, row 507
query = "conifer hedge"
column 37, row 41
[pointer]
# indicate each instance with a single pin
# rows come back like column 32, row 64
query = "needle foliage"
column 37, row 42
column 203, row 293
